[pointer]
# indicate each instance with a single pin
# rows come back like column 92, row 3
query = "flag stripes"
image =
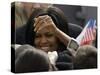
column 87, row 35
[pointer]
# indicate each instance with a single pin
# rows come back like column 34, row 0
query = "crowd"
column 43, row 43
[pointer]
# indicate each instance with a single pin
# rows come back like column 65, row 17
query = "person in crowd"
column 23, row 10
column 47, row 30
column 30, row 59
column 85, row 57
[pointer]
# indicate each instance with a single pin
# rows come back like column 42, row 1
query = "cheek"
column 54, row 42
column 36, row 42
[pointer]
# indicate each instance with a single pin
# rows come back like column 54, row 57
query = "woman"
column 46, row 29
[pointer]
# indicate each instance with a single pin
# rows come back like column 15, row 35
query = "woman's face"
column 46, row 40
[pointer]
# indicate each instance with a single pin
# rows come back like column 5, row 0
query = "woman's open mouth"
column 44, row 48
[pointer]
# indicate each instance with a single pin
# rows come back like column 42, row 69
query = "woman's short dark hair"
column 58, row 18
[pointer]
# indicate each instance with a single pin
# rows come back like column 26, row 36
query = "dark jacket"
column 64, row 61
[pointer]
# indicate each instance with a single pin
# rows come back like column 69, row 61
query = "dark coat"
column 64, row 61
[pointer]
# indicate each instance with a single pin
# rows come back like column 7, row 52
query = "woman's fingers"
column 42, row 27
column 48, row 25
column 39, row 24
column 45, row 20
column 40, row 18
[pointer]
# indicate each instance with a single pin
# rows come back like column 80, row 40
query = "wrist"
column 72, row 44
column 57, row 31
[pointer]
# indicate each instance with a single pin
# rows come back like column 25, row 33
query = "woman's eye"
column 38, row 36
column 49, row 34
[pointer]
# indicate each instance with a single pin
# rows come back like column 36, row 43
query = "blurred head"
column 46, row 39
column 29, row 7
column 86, row 57
column 30, row 59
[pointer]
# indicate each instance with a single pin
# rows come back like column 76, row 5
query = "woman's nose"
column 43, row 39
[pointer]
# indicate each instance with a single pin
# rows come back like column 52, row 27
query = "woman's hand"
column 42, row 22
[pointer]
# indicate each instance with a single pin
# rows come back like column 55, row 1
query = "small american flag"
column 87, row 35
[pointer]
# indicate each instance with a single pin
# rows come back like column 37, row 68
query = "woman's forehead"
column 45, row 31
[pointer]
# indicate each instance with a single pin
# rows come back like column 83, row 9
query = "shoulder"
column 64, row 61
column 65, row 56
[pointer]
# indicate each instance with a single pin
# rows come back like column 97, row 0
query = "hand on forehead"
column 42, row 22
column 42, row 17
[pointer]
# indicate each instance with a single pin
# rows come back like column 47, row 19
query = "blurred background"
column 78, row 15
